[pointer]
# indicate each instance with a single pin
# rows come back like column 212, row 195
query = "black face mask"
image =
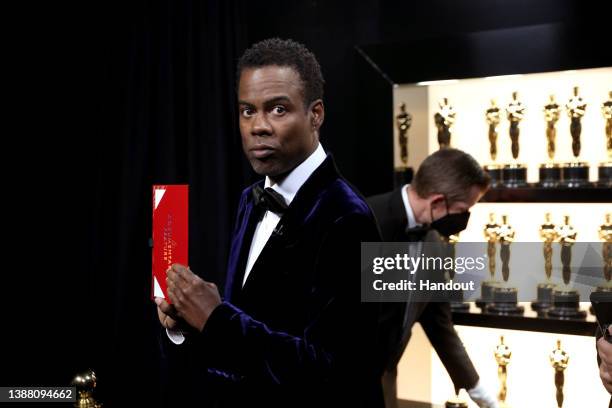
column 450, row 224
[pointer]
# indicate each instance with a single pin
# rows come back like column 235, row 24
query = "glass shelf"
column 530, row 321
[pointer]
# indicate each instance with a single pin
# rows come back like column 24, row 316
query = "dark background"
column 105, row 99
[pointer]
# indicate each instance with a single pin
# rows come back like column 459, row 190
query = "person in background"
column 435, row 206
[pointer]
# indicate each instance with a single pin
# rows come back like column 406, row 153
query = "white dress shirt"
column 287, row 188
column 409, row 213
column 414, row 249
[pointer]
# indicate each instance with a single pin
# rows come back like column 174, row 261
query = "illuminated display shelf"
column 528, row 322
column 526, row 204
column 492, row 65
column 535, row 194
column 415, row 404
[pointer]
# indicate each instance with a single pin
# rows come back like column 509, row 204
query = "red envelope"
column 170, row 232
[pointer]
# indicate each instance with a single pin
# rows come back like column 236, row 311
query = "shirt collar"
column 290, row 185
column 409, row 213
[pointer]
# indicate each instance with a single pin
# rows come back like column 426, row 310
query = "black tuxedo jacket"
column 297, row 334
column 435, row 317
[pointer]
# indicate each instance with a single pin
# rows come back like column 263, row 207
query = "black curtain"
column 116, row 98
column 175, row 109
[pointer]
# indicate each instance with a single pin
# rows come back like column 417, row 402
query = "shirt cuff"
column 175, row 336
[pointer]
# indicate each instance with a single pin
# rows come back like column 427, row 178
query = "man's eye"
column 247, row 112
column 279, row 110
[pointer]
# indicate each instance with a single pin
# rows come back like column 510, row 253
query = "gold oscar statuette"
column 505, row 297
column 606, row 110
column 605, row 168
column 605, row 234
column 575, row 173
column 514, row 174
column 502, row 356
column 575, row 110
column 85, row 385
column 403, row 121
column 491, row 233
column 444, row 120
column 559, row 360
column 550, row 172
column 493, row 118
column 567, row 237
column 515, row 113
column 506, row 237
column 456, row 297
column 548, row 234
column 566, row 301
column 551, row 115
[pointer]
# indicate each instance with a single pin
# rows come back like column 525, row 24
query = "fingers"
column 177, row 274
column 166, row 308
column 169, row 323
column 605, row 351
column 181, row 278
column 182, row 272
column 176, row 295
column 184, row 286
column 606, row 378
column 165, row 320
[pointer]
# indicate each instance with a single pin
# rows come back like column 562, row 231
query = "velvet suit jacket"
column 598, row 335
column 435, row 317
column 297, row 334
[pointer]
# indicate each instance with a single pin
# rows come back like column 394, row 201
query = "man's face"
column 278, row 131
column 438, row 205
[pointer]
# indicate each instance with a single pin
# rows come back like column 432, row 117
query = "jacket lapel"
column 397, row 216
column 285, row 234
column 239, row 252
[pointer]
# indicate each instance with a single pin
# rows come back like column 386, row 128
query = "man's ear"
column 317, row 114
column 436, row 199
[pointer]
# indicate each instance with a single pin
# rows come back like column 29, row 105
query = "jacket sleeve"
column 437, row 323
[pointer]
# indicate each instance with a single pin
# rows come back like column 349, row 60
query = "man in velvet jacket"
column 291, row 330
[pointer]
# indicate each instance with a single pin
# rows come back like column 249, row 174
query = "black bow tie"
column 268, row 200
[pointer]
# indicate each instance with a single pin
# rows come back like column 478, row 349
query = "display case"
column 526, row 206
column 561, row 172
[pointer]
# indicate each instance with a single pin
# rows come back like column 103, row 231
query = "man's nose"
column 261, row 126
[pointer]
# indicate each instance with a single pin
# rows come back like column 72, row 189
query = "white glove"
column 481, row 396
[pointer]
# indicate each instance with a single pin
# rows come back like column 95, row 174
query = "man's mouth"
column 262, row 152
